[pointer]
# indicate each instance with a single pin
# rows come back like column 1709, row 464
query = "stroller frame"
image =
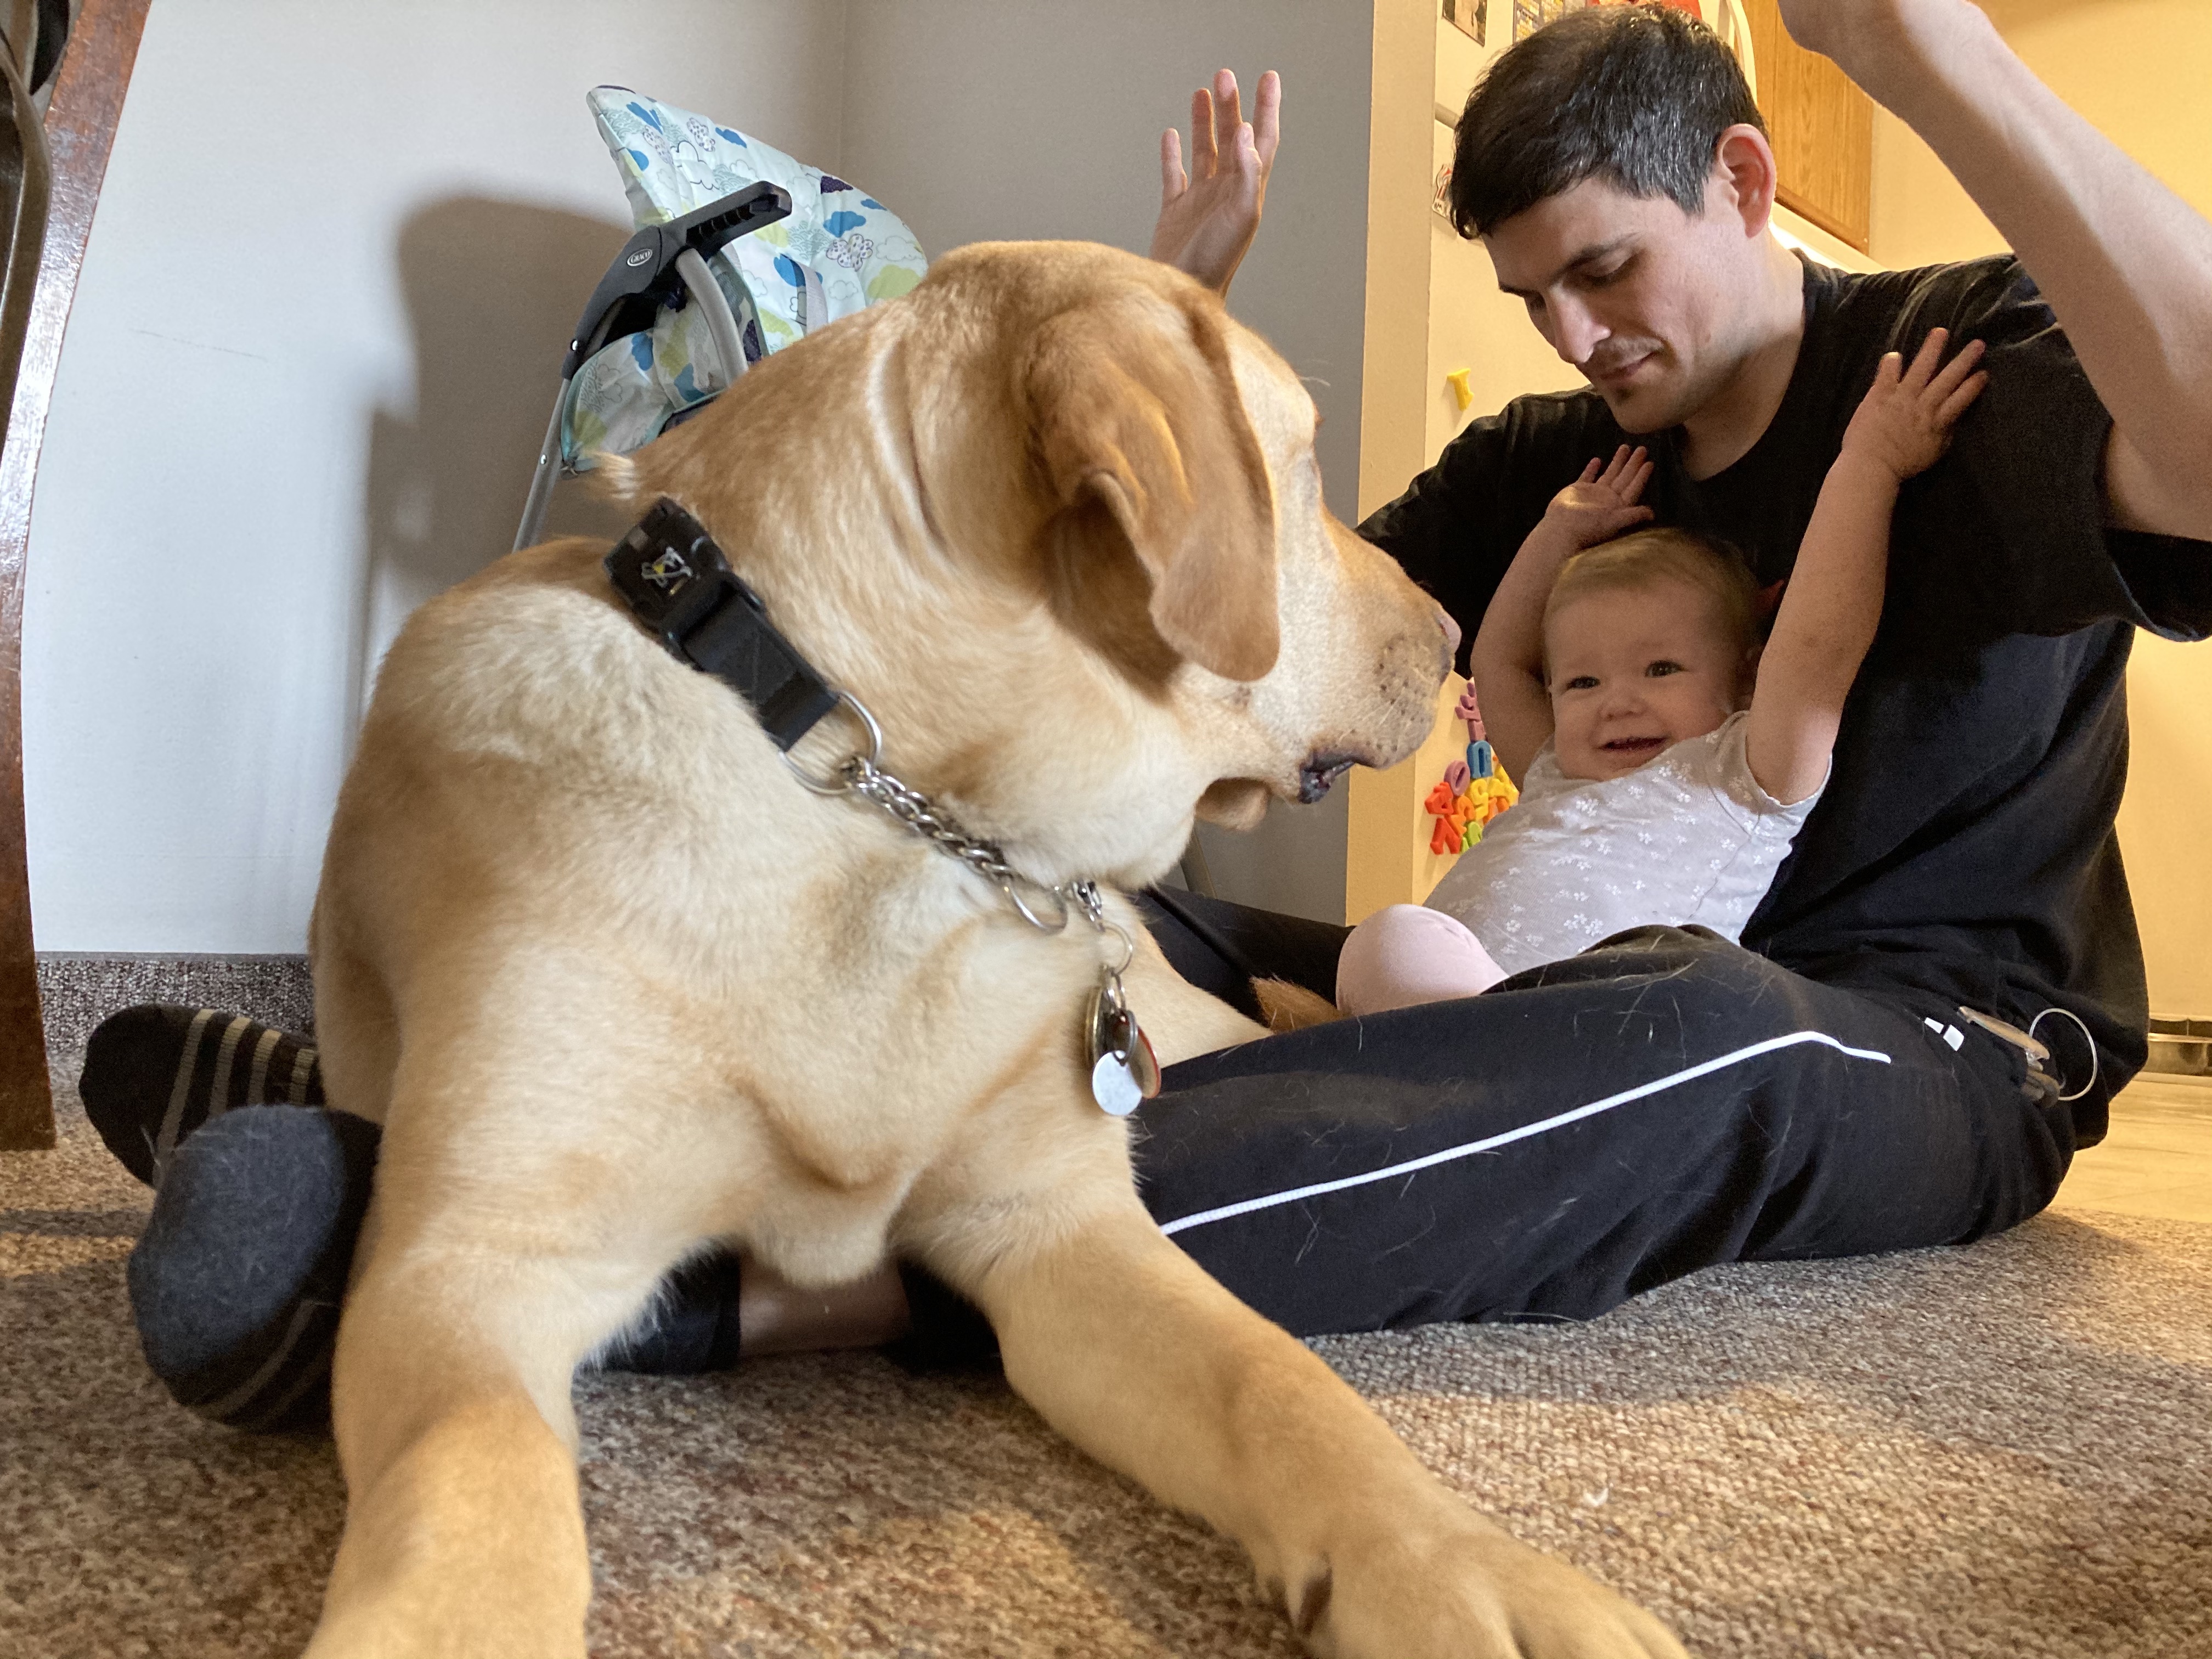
column 662, row 267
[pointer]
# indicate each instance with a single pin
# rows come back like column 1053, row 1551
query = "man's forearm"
column 2125, row 263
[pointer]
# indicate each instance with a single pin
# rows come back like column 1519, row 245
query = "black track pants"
column 1579, row 1133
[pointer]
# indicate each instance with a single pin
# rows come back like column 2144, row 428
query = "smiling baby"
column 1666, row 761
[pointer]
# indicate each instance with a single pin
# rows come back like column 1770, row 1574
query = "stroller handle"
column 661, row 265
column 644, row 278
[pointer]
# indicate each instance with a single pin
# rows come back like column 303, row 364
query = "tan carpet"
column 1995, row 1451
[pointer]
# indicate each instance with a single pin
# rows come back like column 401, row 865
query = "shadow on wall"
column 492, row 290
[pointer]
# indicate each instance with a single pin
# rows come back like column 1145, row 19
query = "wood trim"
column 1394, row 351
column 1814, row 213
column 1822, row 126
column 80, row 126
column 1394, row 345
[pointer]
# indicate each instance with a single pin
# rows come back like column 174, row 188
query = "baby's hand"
column 1601, row 505
column 1905, row 421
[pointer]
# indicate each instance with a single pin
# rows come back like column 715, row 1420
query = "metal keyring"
column 1128, row 948
column 1011, row 886
column 2086, row 1036
column 841, row 781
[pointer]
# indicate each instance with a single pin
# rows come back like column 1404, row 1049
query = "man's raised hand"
column 1209, row 215
column 1870, row 39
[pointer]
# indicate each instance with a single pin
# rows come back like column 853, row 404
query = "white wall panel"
column 337, row 258
column 338, row 254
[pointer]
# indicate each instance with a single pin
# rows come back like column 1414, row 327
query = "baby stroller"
column 740, row 251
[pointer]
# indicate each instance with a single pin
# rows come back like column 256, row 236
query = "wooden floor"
column 2158, row 1159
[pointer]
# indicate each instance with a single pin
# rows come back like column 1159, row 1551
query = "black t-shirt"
column 1964, row 844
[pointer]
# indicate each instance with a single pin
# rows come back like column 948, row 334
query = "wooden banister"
column 79, row 132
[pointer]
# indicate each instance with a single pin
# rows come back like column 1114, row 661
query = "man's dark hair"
column 1637, row 96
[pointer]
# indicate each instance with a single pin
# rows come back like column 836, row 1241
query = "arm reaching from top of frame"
column 2124, row 263
column 1209, row 215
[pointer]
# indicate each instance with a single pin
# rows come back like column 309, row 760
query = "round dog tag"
column 1123, row 1068
column 1098, row 1020
column 1143, row 1064
column 1113, row 1087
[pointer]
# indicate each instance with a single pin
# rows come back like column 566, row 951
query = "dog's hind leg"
column 356, row 1029
column 1181, row 1020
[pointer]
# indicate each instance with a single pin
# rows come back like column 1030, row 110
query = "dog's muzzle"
column 1317, row 772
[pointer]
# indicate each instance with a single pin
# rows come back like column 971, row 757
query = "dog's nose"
column 1451, row 632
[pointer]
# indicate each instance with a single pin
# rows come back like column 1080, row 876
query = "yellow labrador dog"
column 619, row 985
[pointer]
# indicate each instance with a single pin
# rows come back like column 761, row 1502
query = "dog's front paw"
column 1470, row 1593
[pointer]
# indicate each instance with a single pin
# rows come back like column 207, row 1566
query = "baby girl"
column 1613, row 671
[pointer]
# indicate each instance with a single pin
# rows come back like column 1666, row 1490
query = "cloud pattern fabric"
column 839, row 252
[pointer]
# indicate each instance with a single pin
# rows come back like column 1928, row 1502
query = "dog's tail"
column 1289, row 1007
column 612, row 478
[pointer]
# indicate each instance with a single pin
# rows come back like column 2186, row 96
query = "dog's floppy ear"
column 1146, row 445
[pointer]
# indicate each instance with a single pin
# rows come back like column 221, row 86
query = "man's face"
column 1651, row 303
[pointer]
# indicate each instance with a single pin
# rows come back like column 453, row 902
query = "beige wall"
column 1471, row 324
column 1433, row 306
column 2141, row 70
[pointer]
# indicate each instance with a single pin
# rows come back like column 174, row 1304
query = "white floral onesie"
column 1688, row 836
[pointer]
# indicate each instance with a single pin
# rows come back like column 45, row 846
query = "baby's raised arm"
column 1834, row 598
column 1506, row 661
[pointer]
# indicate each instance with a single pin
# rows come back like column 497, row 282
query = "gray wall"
column 980, row 119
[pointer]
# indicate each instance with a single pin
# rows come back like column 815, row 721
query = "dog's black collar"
column 676, row 582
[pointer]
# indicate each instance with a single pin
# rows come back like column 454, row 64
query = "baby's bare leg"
column 1407, row 954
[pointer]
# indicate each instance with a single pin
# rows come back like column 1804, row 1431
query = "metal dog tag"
column 1113, row 1087
column 1124, row 1070
column 1106, row 1005
column 1143, row 1064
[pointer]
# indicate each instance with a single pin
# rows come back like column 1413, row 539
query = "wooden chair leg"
column 27, row 1094
column 79, row 132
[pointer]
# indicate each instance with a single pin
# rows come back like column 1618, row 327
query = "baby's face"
column 1634, row 670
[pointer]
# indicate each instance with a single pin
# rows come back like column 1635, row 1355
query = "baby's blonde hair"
column 1663, row 554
